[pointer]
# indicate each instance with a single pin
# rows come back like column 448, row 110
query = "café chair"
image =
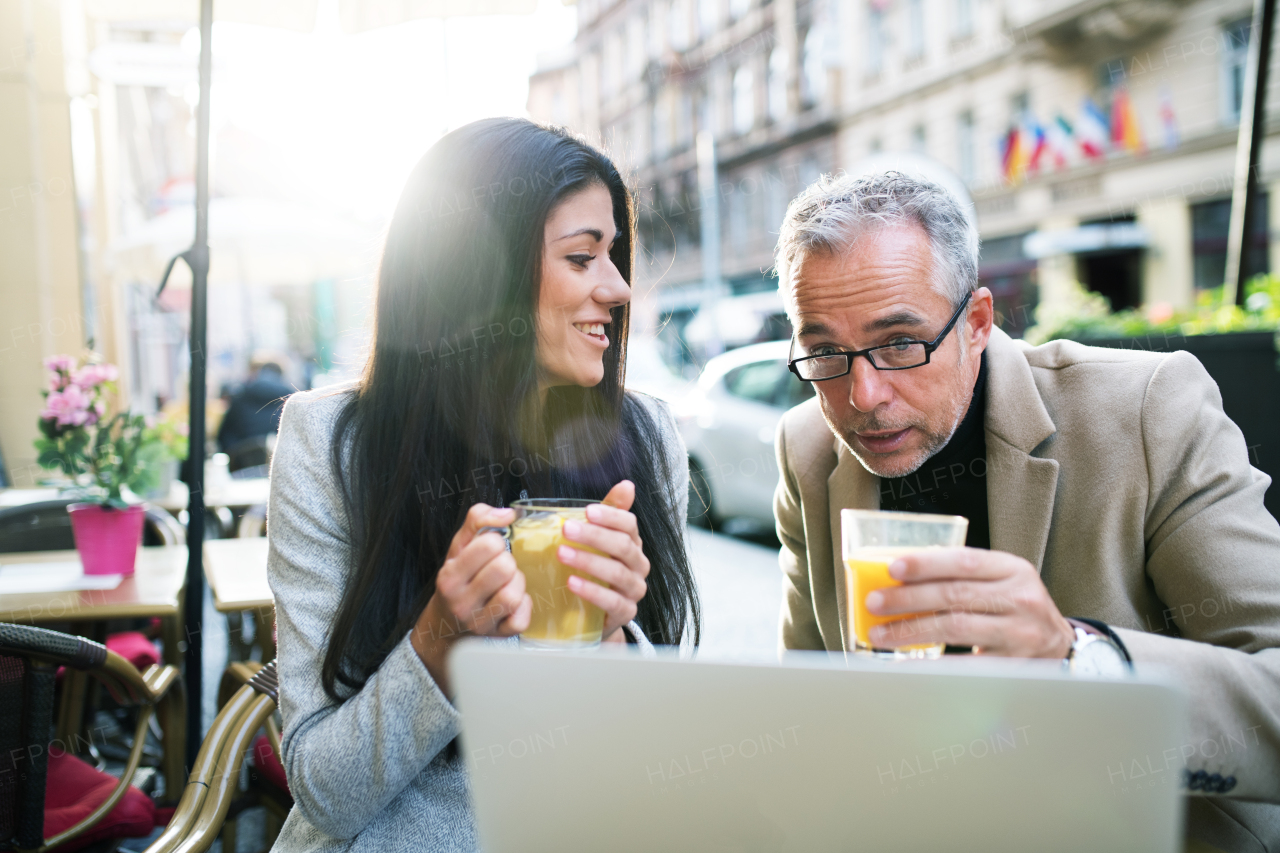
column 53, row 799
column 253, row 523
column 268, row 786
column 214, row 782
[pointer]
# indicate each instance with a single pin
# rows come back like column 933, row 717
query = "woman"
column 496, row 372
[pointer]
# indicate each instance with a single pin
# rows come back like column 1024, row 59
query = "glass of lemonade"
column 561, row 618
column 872, row 540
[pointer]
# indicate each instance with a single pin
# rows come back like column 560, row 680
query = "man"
column 254, row 412
column 1102, row 485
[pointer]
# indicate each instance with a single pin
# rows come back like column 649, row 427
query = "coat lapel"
column 1020, row 487
column 850, row 486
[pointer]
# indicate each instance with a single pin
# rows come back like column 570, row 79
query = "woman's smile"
column 594, row 331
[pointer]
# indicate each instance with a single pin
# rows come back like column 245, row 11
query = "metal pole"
column 198, row 259
column 1253, row 120
column 709, row 192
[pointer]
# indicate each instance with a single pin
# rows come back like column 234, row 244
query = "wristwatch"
column 1095, row 653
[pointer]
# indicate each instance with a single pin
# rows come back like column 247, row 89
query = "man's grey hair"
column 831, row 213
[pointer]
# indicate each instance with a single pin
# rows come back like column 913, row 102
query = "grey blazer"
column 370, row 773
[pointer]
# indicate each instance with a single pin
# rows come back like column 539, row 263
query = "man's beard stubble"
column 933, row 441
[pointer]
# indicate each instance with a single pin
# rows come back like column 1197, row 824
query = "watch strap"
column 1093, row 626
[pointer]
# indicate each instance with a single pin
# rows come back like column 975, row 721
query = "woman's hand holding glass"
column 611, row 529
column 479, row 590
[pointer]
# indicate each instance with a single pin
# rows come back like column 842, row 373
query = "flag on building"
column 1092, row 130
column 1125, row 132
column 1168, row 119
column 1014, row 155
column 1038, row 146
column 1061, row 142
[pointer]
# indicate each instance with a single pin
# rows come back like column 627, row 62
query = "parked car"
column 728, row 423
column 648, row 373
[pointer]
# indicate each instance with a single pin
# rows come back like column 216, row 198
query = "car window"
column 793, row 392
column 757, row 381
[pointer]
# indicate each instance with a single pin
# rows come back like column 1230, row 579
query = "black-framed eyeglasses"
column 900, row 355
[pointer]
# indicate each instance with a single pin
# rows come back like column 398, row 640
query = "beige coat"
column 1117, row 474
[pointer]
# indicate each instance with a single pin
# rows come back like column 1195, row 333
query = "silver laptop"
column 608, row 751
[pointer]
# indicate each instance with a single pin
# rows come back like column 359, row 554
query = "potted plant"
column 104, row 458
column 1238, row 346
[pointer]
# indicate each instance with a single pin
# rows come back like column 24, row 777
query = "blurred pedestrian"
column 253, row 412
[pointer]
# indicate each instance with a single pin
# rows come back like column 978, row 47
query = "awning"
column 1086, row 238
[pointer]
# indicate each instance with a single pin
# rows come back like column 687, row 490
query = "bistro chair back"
column 215, row 777
column 42, row 526
column 29, row 661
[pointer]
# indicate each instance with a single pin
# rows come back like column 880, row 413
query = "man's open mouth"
column 883, row 442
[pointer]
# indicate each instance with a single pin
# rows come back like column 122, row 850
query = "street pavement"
column 740, row 586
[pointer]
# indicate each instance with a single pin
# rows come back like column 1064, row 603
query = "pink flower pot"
column 107, row 539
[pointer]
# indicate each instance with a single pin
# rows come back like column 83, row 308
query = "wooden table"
column 155, row 589
column 234, row 494
column 237, row 573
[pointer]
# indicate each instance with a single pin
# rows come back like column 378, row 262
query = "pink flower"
column 69, row 407
column 92, row 375
column 60, row 367
column 60, row 363
column 1159, row 312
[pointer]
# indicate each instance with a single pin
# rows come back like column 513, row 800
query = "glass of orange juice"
column 872, row 540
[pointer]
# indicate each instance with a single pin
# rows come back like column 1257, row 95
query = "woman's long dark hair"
column 447, row 412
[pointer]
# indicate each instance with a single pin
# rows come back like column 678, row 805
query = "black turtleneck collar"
column 954, row 480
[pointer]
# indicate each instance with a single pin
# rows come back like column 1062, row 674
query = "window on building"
column 652, row 223
column 777, row 84
column 684, row 119
column 810, row 171
column 678, row 25
column 963, row 11
column 776, row 198
column 610, row 70
column 641, row 128
column 661, row 127
column 703, row 112
column 875, row 40
column 708, row 18
column 919, row 140
column 689, row 208
column 1210, row 222
column 738, row 8
column 966, row 164
column 1235, row 56
column 915, row 29
column 736, row 203
column 1019, row 106
column 637, row 50
column 744, row 96
column 813, row 70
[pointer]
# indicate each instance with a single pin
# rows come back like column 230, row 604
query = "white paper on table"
column 51, row 577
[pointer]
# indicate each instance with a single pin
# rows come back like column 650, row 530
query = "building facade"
column 1097, row 139
column 645, row 77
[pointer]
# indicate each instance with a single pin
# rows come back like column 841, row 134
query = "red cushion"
column 134, row 647
column 268, row 763
column 75, row 789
